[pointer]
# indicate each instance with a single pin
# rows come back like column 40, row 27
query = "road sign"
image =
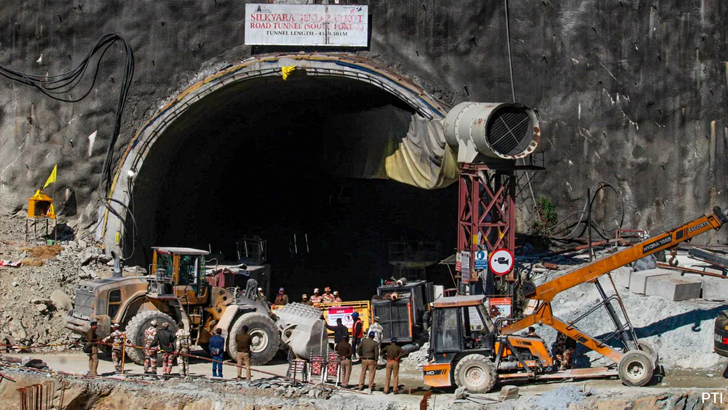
column 501, row 261
column 481, row 260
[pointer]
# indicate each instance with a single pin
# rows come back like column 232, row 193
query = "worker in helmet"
column 305, row 300
column 261, row 295
column 327, row 296
column 336, row 296
column 357, row 332
column 150, row 356
column 281, row 298
column 117, row 338
column 316, row 298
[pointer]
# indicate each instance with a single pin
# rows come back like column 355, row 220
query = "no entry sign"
column 501, row 261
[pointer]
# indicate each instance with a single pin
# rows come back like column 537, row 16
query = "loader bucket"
column 302, row 329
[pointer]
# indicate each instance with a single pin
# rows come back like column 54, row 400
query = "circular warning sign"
column 501, row 261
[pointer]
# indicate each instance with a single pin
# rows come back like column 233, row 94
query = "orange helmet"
column 327, row 289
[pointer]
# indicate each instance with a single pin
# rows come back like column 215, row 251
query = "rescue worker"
column 532, row 332
column 305, row 300
column 217, row 350
column 336, row 296
column 357, row 332
column 93, row 354
column 281, row 298
column 340, row 330
column 116, row 338
column 369, row 352
column 316, row 298
column 182, row 345
column 327, row 297
column 150, row 358
column 377, row 329
column 261, row 295
column 393, row 354
column 343, row 349
column 165, row 339
column 563, row 350
column 243, row 341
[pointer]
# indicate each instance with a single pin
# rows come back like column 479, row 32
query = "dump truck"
column 468, row 350
column 177, row 292
column 403, row 310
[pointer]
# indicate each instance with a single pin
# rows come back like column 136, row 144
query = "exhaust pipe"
column 495, row 130
column 117, row 265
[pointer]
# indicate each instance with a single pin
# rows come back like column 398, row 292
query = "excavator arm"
column 589, row 273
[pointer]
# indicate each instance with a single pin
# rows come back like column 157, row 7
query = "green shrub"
column 546, row 217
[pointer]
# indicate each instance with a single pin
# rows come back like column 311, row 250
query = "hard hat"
column 393, row 340
column 371, row 334
column 93, row 324
column 260, row 289
column 336, row 292
column 114, row 325
column 304, row 296
column 165, row 324
column 280, row 290
column 316, row 290
column 355, row 314
column 327, row 289
column 154, row 323
column 376, row 318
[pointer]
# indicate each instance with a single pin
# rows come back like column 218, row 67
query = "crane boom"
column 547, row 291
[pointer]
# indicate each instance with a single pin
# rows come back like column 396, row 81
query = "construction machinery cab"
column 461, row 324
column 178, row 273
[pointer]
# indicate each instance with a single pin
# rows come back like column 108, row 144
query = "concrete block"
column 622, row 276
column 673, row 287
column 638, row 280
column 713, row 288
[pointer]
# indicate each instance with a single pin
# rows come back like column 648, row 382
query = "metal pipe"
column 510, row 58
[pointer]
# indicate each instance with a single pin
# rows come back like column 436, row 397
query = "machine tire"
column 264, row 333
column 476, row 373
column 136, row 327
column 651, row 351
column 636, row 368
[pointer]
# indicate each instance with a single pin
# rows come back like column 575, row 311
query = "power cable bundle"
column 57, row 86
column 583, row 214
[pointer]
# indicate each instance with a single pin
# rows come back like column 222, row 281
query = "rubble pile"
column 35, row 296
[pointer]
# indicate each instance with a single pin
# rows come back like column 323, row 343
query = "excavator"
column 468, row 350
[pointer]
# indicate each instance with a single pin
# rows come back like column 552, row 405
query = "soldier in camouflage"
column 182, row 346
column 116, row 338
column 150, row 355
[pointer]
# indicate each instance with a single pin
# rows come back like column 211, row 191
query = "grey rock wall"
column 628, row 92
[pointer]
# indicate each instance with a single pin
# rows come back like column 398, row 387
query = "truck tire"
column 266, row 339
column 636, row 368
column 476, row 373
column 136, row 327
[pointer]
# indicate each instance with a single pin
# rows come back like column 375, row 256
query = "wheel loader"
column 468, row 350
column 177, row 292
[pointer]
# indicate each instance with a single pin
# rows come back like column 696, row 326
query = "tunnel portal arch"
column 430, row 111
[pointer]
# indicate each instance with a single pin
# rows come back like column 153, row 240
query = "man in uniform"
column 327, row 297
column 343, row 349
column 116, row 338
column 394, row 354
column 336, row 296
column 281, row 298
column 305, row 301
column 165, row 340
column 377, row 329
column 150, row 357
column 182, row 345
column 316, row 298
column 93, row 355
column 369, row 352
column 243, row 341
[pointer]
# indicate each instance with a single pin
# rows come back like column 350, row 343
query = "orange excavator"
column 468, row 350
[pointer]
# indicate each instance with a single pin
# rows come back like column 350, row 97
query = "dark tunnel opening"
column 278, row 158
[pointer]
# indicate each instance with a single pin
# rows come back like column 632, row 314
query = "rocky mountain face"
column 628, row 92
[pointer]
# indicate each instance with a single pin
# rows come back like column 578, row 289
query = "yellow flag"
column 286, row 71
column 51, row 179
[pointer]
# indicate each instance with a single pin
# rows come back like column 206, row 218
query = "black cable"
column 54, row 86
column 603, row 233
column 124, row 223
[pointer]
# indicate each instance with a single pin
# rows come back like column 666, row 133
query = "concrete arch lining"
column 427, row 120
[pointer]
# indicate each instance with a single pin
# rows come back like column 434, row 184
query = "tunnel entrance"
column 297, row 162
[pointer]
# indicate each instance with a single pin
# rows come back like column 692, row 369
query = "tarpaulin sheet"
column 389, row 143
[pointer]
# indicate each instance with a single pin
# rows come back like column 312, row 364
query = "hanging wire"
column 56, row 86
column 581, row 223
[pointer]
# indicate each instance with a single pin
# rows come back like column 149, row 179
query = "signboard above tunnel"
column 306, row 25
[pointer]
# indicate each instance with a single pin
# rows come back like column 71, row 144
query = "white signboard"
column 465, row 261
column 306, row 25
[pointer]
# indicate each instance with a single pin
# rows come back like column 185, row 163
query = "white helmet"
column 316, row 290
column 154, row 323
